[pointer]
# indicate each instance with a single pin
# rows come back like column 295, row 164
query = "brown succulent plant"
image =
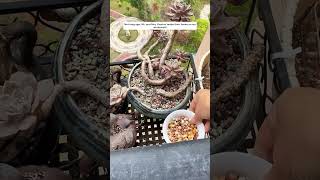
column 162, row 36
column 179, row 11
column 123, row 131
column 118, row 94
column 181, row 55
column 221, row 25
column 167, row 67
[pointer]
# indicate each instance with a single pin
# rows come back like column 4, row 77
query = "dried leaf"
column 125, row 134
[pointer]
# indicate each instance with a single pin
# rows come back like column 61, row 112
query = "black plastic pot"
column 250, row 106
column 92, row 139
column 154, row 113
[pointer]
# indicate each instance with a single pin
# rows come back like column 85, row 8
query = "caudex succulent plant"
column 158, row 70
column 221, row 25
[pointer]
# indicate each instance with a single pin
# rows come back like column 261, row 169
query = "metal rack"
column 149, row 130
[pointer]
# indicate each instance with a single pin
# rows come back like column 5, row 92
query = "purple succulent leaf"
column 179, row 11
column 165, row 71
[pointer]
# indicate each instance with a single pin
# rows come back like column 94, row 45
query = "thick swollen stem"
column 150, row 68
column 69, row 86
column 232, row 84
column 144, row 61
column 137, row 89
column 140, row 55
column 146, row 56
column 151, row 47
column 177, row 92
column 157, row 82
column 167, row 49
column 124, row 95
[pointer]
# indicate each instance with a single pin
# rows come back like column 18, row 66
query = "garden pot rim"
column 250, row 104
column 59, row 63
column 89, row 136
column 201, row 66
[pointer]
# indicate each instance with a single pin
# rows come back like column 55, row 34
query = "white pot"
column 178, row 113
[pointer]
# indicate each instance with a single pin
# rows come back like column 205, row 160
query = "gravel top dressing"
column 228, row 109
column 181, row 129
column 307, row 62
column 151, row 98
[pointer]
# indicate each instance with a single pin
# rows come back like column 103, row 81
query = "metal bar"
column 126, row 62
column 195, row 73
column 33, row 5
column 37, row 18
column 253, row 32
column 252, row 8
column 274, row 42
